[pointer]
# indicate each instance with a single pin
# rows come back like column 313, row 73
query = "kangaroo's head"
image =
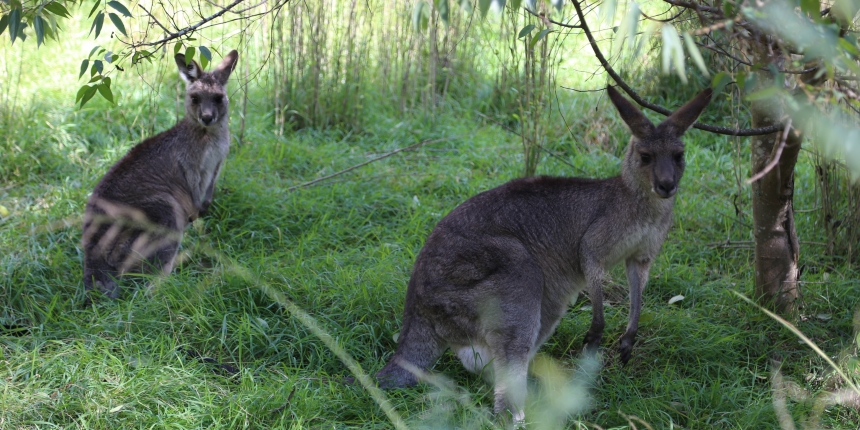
column 655, row 158
column 205, row 97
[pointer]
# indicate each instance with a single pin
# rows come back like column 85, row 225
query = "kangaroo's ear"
column 682, row 119
column 222, row 72
column 189, row 72
column 639, row 124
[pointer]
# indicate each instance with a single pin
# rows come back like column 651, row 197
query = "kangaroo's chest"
column 642, row 241
column 210, row 161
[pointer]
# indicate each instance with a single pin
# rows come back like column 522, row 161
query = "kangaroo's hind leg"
column 511, row 334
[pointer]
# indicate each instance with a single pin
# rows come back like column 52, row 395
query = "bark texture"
column 776, row 245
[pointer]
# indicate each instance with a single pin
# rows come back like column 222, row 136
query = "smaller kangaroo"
column 497, row 273
column 136, row 214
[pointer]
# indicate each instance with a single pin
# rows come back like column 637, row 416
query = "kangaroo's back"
column 136, row 214
column 496, row 274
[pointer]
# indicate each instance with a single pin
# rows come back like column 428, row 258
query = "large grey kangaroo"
column 135, row 216
column 496, row 274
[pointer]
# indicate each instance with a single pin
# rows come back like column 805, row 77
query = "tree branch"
column 775, row 159
column 544, row 18
column 187, row 30
column 386, row 155
column 657, row 108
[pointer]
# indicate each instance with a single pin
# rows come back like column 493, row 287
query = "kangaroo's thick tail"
column 418, row 349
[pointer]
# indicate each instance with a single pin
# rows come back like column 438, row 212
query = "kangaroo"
column 136, row 214
column 497, row 273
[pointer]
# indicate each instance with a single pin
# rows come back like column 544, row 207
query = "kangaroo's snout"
column 207, row 118
column 665, row 189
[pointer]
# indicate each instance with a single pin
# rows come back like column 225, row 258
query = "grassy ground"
column 342, row 251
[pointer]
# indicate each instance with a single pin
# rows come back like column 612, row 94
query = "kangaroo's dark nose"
column 665, row 189
column 207, row 118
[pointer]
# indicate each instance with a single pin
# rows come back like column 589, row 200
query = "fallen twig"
column 386, row 155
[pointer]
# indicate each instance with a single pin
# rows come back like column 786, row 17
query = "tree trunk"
column 776, row 245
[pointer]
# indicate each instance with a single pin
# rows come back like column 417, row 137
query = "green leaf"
column 52, row 31
column 81, row 91
column 843, row 43
column 39, row 28
column 98, row 22
column 444, row 10
column 627, row 31
column 729, row 9
column 672, row 52
column 109, row 57
column 104, row 90
column 14, row 24
column 177, row 47
column 120, row 8
column 525, row 31
column 720, row 81
column 4, row 22
column 95, row 8
column 763, row 94
column 741, row 80
column 114, row 18
column 515, row 4
column 189, row 54
column 421, row 16
column 205, row 53
column 98, row 66
column 205, row 56
column 84, row 65
column 139, row 55
column 90, row 92
column 695, row 54
column 812, row 8
column 21, row 34
column 607, row 11
column 538, row 37
column 58, row 9
column 484, row 7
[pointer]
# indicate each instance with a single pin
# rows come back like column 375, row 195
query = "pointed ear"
column 682, row 119
column 188, row 72
column 222, row 72
column 639, row 124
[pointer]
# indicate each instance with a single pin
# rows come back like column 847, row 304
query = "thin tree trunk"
column 776, row 244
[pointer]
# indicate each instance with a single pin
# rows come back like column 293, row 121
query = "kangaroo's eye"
column 679, row 157
column 645, row 157
column 218, row 99
column 195, row 99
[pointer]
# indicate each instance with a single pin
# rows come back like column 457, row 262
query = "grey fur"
column 136, row 214
column 496, row 274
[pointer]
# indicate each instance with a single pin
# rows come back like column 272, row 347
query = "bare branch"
column 544, row 18
column 657, row 108
column 386, row 155
column 154, row 19
column 189, row 29
column 775, row 159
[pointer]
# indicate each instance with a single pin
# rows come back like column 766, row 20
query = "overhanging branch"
column 657, row 108
column 190, row 29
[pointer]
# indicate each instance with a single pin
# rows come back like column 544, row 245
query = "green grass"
column 342, row 251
